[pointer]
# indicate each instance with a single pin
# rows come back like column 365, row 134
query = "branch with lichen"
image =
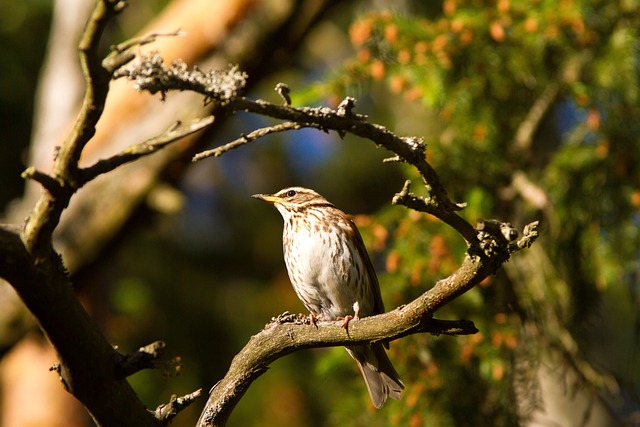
column 151, row 74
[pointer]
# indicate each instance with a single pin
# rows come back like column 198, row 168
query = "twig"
column 167, row 412
column 52, row 185
column 152, row 145
column 121, row 53
column 524, row 134
column 246, row 139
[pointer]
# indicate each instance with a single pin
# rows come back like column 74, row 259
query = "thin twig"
column 167, row 412
column 246, row 139
column 524, row 134
column 152, row 145
column 47, row 181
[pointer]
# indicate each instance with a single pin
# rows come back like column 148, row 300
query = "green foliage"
column 479, row 68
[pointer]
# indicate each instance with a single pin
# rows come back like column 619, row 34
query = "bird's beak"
column 266, row 197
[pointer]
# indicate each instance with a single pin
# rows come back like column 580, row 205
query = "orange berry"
column 449, row 7
column 404, row 56
column 397, row 83
column 377, row 70
column 497, row 31
column 391, row 33
column 360, row 32
column 531, row 25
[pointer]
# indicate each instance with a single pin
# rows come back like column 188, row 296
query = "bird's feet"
column 346, row 320
column 313, row 319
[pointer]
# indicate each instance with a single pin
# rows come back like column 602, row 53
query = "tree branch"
column 45, row 216
column 152, row 145
column 144, row 358
column 167, row 412
column 86, row 358
column 246, row 139
column 36, row 271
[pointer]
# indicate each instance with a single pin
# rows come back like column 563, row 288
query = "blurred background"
column 530, row 111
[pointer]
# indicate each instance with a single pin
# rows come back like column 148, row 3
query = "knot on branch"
column 284, row 91
column 497, row 239
column 346, row 106
column 150, row 73
column 494, row 236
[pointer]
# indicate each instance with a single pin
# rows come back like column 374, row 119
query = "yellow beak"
column 266, row 197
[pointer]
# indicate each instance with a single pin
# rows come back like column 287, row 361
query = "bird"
column 332, row 274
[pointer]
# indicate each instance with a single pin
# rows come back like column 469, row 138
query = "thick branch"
column 86, row 358
column 36, row 272
column 46, row 214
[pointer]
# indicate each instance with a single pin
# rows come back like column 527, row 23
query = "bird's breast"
column 320, row 261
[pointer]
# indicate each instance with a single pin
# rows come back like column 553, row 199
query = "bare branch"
column 152, row 75
column 121, row 53
column 283, row 90
column 434, row 207
column 46, row 180
column 152, row 145
column 46, row 214
column 85, row 357
column 246, row 139
column 410, row 149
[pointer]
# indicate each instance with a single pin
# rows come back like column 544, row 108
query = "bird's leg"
column 313, row 320
column 348, row 318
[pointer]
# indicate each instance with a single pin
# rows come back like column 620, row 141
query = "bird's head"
column 293, row 199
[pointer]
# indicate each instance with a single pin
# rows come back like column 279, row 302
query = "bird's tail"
column 381, row 377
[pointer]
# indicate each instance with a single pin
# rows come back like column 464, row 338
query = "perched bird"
column 332, row 274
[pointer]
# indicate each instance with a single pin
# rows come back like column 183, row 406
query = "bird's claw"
column 313, row 320
column 346, row 320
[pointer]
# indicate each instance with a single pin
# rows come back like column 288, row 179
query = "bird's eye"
column 291, row 193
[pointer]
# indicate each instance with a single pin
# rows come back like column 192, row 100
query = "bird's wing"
column 378, row 306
